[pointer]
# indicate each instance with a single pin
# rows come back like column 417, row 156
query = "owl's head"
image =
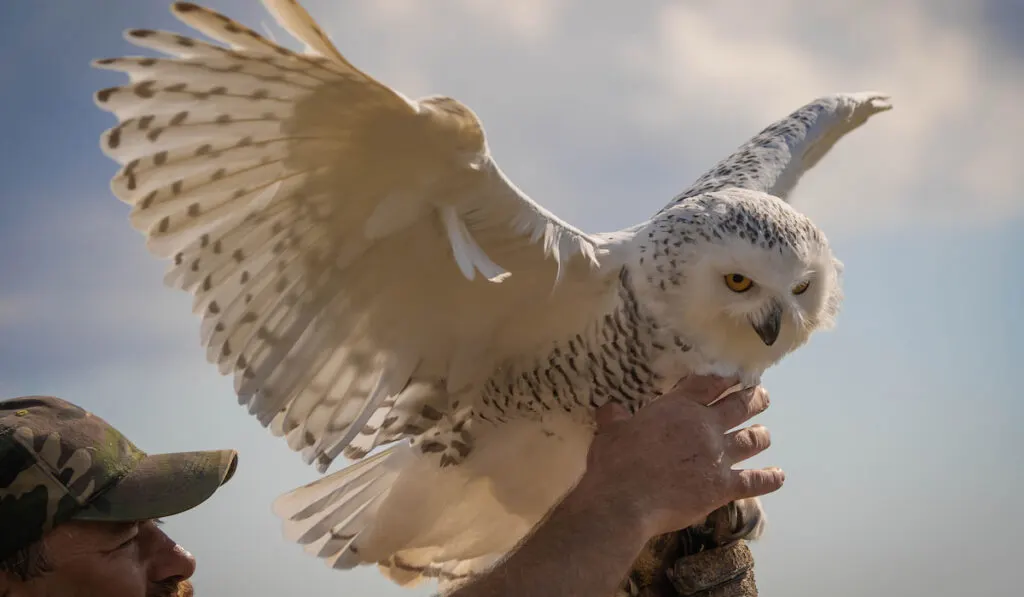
column 741, row 275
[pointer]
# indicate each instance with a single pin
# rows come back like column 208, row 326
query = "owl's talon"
column 742, row 519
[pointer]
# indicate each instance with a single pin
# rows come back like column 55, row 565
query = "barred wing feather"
column 344, row 244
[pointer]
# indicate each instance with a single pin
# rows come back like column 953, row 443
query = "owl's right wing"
column 331, row 230
column 774, row 160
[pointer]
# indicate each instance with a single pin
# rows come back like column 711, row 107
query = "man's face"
column 104, row 559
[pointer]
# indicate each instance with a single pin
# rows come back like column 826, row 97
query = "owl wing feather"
column 330, row 229
column 774, row 160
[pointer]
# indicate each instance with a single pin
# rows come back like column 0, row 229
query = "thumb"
column 610, row 413
column 703, row 389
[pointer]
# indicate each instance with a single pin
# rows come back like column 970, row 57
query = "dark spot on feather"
column 147, row 62
column 178, row 258
column 219, row 90
column 431, row 446
column 176, row 187
column 260, row 94
column 184, row 41
column 185, row 7
column 220, row 328
column 164, row 224
column 148, row 200
column 179, row 118
column 176, row 87
column 219, row 174
column 232, row 28
column 244, row 277
column 104, row 94
column 214, row 308
column 249, row 317
column 145, row 121
column 226, row 349
column 238, row 256
column 204, row 240
column 114, row 138
column 193, row 210
column 159, row 158
column 144, row 89
column 204, row 149
column 239, row 193
column 388, row 422
column 216, row 247
column 282, row 284
column 429, row 412
column 207, row 282
column 310, row 438
column 154, row 134
column 461, row 448
column 244, row 141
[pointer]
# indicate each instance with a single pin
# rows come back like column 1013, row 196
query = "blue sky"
column 899, row 430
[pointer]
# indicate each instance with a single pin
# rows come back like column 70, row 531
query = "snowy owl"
column 374, row 282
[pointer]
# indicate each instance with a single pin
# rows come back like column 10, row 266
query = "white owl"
column 370, row 277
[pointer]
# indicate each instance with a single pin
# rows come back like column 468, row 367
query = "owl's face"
column 752, row 283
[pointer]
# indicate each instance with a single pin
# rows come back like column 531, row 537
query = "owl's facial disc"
column 769, row 323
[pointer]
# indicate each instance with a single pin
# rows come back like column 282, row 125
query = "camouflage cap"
column 59, row 462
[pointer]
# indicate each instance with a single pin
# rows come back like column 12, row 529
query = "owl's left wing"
column 775, row 159
column 331, row 230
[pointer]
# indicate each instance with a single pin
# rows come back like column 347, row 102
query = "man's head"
column 80, row 505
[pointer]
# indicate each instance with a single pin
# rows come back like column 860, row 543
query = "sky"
column 899, row 430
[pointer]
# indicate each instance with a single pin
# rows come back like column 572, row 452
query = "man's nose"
column 168, row 560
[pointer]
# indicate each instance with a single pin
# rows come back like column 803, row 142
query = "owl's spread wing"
column 329, row 228
column 774, row 160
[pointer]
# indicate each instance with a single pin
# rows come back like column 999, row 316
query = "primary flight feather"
column 370, row 278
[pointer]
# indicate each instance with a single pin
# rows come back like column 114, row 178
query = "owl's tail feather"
column 415, row 519
column 327, row 515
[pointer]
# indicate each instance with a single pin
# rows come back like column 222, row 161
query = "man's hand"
column 670, row 465
column 662, row 470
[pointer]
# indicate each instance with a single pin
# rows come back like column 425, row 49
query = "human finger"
column 746, row 443
column 738, row 407
column 611, row 412
column 750, row 483
column 702, row 389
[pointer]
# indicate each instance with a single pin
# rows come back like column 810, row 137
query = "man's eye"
column 129, row 542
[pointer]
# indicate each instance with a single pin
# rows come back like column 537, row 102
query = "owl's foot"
column 743, row 519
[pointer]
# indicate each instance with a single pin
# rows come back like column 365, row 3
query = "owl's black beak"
column 768, row 327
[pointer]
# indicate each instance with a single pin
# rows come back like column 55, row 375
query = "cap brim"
column 163, row 485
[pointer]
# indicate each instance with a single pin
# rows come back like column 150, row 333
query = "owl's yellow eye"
column 801, row 287
column 738, row 282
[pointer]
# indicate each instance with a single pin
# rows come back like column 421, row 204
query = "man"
column 78, row 501
column 80, row 505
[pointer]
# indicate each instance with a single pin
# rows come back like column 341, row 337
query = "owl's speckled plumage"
column 332, row 231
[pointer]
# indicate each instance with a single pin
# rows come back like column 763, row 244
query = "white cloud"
column 727, row 69
column 695, row 79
